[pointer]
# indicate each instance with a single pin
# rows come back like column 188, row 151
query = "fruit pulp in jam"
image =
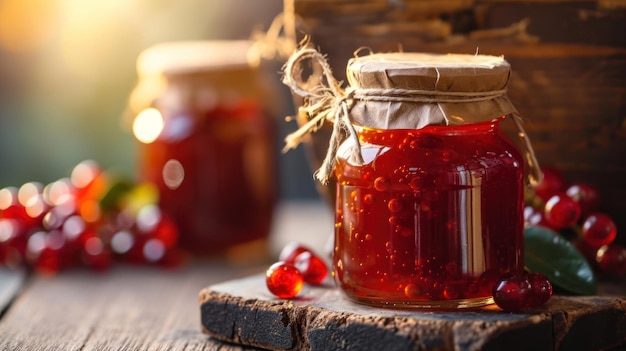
column 432, row 218
column 215, row 173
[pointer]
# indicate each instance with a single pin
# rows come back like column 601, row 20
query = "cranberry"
column 512, row 292
column 291, row 250
column 284, row 280
column 587, row 196
column 153, row 222
column 10, row 206
column 612, row 259
column 541, row 289
column 313, row 268
column 552, row 183
column 598, row 229
column 561, row 211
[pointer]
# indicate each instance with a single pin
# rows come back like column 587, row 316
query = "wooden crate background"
column 568, row 60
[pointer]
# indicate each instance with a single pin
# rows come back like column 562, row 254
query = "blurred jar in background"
column 202, row 120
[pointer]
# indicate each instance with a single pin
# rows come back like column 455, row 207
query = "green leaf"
column 116, row 191
column 549, row 253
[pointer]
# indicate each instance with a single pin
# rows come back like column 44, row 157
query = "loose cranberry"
column 512, row 291
column 284, row 280
column 598, row 230
column 291, row 250
column 541, row 289
column 561, row 211
column 312, row 267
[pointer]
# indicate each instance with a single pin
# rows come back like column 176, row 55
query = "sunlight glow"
column 148, row 125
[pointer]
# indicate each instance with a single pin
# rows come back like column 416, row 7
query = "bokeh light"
column 148, row 125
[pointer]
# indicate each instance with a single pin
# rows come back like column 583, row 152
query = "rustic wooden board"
column 321, row 318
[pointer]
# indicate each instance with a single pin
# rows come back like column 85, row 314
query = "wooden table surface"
column 133, row 307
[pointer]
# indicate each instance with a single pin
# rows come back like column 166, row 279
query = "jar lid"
column 189, row 56
column 429, row 72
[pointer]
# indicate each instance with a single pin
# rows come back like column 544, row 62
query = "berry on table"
column 284, row 280
column 313, row 268
column 49, row 228
column 291, row 250
column 515, row 292
column 541, row 289
column 511, row 292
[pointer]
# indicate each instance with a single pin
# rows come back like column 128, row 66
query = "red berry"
column 313, row 268
column 561, row 211
column 612, row 259
column 512, row 291
column 541, row 289
column 291, row 250
column 552, row 183
column 284, row 280
column 598, row 229
column 154, row 223
column 586, row 195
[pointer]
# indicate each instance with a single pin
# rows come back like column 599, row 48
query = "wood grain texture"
column 130, row 308
column 141, row 308
column 321, row 318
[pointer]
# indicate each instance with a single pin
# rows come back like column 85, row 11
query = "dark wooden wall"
column 568, row 60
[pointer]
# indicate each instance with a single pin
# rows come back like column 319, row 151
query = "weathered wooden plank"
column 243, row 311
column 130, row 308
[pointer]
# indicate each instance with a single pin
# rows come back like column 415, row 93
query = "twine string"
column 322, row 102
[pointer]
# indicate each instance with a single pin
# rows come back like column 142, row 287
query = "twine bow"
column 324, row 101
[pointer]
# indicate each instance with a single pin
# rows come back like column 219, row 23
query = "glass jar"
column 431, row 218
column 431, row 213
column 207, row 141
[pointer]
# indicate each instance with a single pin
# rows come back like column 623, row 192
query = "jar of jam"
column 206, row 140
column 430, row 189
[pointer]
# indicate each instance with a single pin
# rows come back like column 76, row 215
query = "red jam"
column 432, row 218
column 214, row 170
